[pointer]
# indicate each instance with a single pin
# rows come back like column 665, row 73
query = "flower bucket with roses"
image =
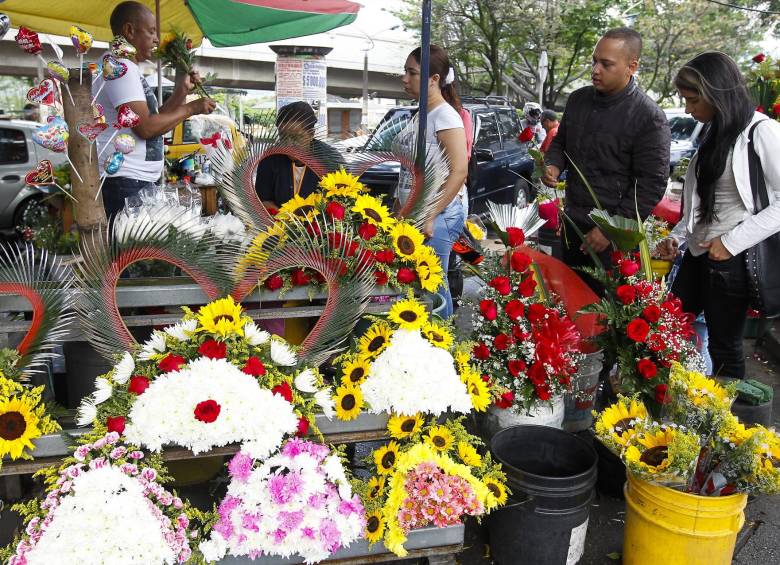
column 763, row 81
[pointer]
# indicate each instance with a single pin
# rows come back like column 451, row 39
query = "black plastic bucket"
column 551, row 474
column 550, row 242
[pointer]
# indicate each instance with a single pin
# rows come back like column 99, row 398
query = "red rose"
column 527, row 287
column 537, row 374
column 656, row 343
column 628, row 268
column 646, row 368
column 171, row 362
column 366, row 258
column 207, row 411
column 626, row 293
column 643, row 288
column 637, row 329
column 274, row 282
column 519, row 334
column 760, row 109
column 313, row 229
column 502, row 285
column 303, row 427
column 367, row 231
column 516, row 366
column 543, row 392
column 283, row 390
column 488, row 309
column 502, row 341
column 514, row 309
column 536, row 312
column 385, row 256
column 760, row 58
column 115, row 424
column 138, row 385
column 299, row 278
column 519, row 261
column 776, row 110
column 380, row 278
column 506, row 400
column 335, row 210
column 213, row 349
column 661, row 397
column 526, row 135
column 516, row 236
column 254, row 367
column 405, row 275
column 481, row 351
column 652, row 313
column 616, row 257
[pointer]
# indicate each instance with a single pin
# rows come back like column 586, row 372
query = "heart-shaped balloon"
column 57, row 70
column 121, row 48
column 28, row 41
column 5, row 23
column 126, row 117
column 98, row 111
column 81, row 39
column 92, row 130
column 114, row 163
column 44, row 93
column 112, row 68
column 124, row 143
column 41, row 175
column 53, row 136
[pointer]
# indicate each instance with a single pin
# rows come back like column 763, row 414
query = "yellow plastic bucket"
column 675, row 528
column 660, row 268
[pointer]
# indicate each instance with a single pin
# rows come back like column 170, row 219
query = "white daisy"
column 324, row 399
column 281, row 354
column 86, row 413
column 155, row 345
column 183, row 330
column 124, row 369
column 254, row 335
column 103, row 390
column 306, row 381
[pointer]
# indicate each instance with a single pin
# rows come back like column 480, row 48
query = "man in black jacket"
column 618, row 138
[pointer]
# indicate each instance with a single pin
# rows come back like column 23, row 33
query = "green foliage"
column 43, row 227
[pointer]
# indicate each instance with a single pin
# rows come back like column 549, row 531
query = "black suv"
column 500, row 165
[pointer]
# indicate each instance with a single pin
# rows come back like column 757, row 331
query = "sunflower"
column 221, row 317
column 349, row 401
column 497, row 490
column 700, row 388
column 266, row 241
column 375, row 340
column 618, row 420
column 18, row 426
column 478, row 390
column 375, row 487
column 373, row 211
column 375, row 526
column 468, row 454
column 440, row 438
column 341, row 183
column 462, row 359
column 386, row 457
column 401, row 427
column 356, row 370
column 654, row 458
column 407, row 240
column 438, row 335
column 408, row 314
column 301, row 208
column 429, row 269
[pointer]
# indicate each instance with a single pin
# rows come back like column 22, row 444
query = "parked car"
column 500, row 165
column 687, row 133
column 18, row 156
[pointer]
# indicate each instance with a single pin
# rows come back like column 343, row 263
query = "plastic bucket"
column 543, row 414
column 550, row 242
column 580, row 401
column 439, row 304
column 612, row 471
column 661, row 268
column 551, row 474
column 675, row 528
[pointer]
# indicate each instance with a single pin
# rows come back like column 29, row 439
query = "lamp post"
column 364, row 116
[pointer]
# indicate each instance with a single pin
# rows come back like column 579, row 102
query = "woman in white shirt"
column 445, row 127
column 719, row 222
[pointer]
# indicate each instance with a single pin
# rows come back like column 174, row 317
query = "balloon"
column 113, row 69
column 41, row 175
column 121, row 48
column 91, row 130
column 45, row 93
column 126, row 117
column 124, row 143
column 5, row 23
column 57, row 71
column 114, row 163
column 82, row 40
column 53, row 136
column 28, row 41
column 98, row 111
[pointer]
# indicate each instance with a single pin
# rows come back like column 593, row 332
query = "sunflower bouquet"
column 23, row 418
column 433, row 475
column 408, row 363
column 175, row 50
column 213, row 378
column 393, row 248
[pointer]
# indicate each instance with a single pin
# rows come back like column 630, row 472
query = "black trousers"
column 574, row 258
column 720, row 290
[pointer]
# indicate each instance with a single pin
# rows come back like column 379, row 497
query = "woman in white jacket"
column 719, row 222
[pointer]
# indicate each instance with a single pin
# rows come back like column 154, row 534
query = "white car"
column 687, row 133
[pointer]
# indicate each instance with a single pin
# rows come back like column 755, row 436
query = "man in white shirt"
column 144, row 166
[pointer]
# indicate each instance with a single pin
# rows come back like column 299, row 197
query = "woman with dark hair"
column 445, row 128
column 719, row 222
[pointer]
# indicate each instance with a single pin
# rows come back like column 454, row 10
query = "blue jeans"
column 447, row 228
column 116, row 189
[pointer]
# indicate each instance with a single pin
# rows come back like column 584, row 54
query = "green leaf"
column 623, row 232
column 614, row 556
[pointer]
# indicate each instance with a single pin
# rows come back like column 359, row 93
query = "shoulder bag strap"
column 757, row 181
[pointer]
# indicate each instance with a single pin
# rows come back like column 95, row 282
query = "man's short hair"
column 549, row 115
column 299, row 112
column 124, row 13
column 630, row 38
column 30, row 107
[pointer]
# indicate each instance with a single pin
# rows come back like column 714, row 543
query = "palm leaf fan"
column 505, row 216
column 623, row 232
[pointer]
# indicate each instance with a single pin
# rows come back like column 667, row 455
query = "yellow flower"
column 375, row 526
column 497, row 490
column 440, row 438
column 222, row 317
column 349, row 401
column 478, row 390
column 618, row 420
column 475, row 231
column 429, row 269
column 302, row 208
column 407, row 240
column 408, row 314
column 341, row 183
column 438, row 335
column 468, row 454
column 386, row 457
column 165, row 40
column 373, row 211
column 700, row 388
column 462, row 358
column 375, row 487
column 375, row 340
column 655, row 457
column 356, row 370
column 18, row 425
column 402, row 427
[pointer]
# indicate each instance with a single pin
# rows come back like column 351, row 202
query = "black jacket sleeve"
column 265, row 182
column 556, row 153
